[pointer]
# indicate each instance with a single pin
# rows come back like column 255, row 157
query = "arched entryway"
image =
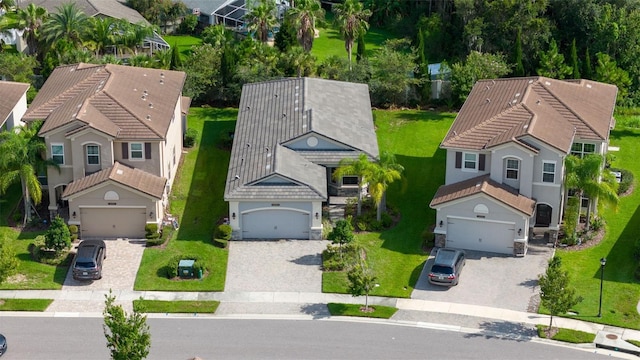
column 543, row 215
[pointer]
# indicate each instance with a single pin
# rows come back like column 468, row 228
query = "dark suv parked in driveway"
column 446, row 267
column 87, row 264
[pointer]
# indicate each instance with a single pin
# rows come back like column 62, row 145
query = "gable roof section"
column 485, row 186
column 272, row 113
column 125, row 102
column 111, row 8
column 552, row 111
column 10, row 93
column 133, row 178
column 206, row 6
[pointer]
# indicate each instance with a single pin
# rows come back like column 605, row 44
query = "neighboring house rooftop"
column 484, row 184
column 10, row 93
column 133, row 178
column 124, row 102
column 274, row 114
column 111, row 8
column 552, row 111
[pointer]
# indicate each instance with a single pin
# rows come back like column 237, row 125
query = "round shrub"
column 172, row 265
column 224, row 232
column 73, row 229
column 626, row 180
column 190, row 137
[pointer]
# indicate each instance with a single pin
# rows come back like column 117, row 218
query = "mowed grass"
column 184, row 43
column 396, row 255
column 197, row 200
column 378, row 311
column 160, row 306
column 24, row 304
column 568, row 335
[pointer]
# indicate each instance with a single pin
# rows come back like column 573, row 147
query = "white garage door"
column 480, row 235
column 113, row 223
column 275, row 224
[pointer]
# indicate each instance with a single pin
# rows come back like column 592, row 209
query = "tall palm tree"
column 584, row 176
column 304, row 16
column 351, row 19
column 133, row 35
column 103, row 34
column 380, row 176
column 30, row 21
column 20, row 158
column 359, row 167
column 7, row 5
column 68, row 23
column 261, row 18
column 300, row 61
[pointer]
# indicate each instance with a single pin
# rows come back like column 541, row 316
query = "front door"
column 543, row 215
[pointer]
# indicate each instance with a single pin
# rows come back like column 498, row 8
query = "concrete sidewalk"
column 313, row 304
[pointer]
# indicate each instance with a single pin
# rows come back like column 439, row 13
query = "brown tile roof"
column 503, row 110
column 125, row 102
column 10, row 94
column 130, row 177
column 483, row 185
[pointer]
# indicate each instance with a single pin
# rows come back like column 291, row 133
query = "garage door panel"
column 275, row 224
column 480, row 235
column 113, row 222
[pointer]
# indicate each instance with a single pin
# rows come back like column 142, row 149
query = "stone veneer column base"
column 236, row 235
column 440, row 240
column 315, row 234
column 520, row 248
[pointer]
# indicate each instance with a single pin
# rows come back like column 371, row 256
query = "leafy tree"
column 162, row 59
column 202, row 71
column 574, row 61
column 133, row 35
column 103, row 34
column 552, row 63
column 477, row 66
column 588, row 69
column 261, row 18
column 57, row 236
column 361, row 50
column 189, row 24
column 217, row 35
column 17, row 67
column 286, row 37
column 351, row 19
column 68, row 22
column 607, row 71
column 390, row 83
column 519, row 69
column 128, row 335
column 20, row 158
column 362, row 281
column 355, row 167
column 433, row 32
column 298, row 62
column 380, row 176
column 30, row 20
column 555, row 293
column 176, row 60
column 304, row 15
column 8, row 260
column 342, row 233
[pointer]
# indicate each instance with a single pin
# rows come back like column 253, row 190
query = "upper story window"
column 548, row 171
column 512, row 169
column 581, row 149
column 136, row 151
column 349, row 180
column 93, row 155
column 470, row 161
column 57, row 153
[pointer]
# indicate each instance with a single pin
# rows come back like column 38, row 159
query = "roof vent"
column 150, row 106
column 267, row 149
column 589, row 86
column 547, row 83
column 237, row 177
column 531, row 81
column 162, row 74
column 487, row 87
column 148, row 117
column 275, row 95
column 284, row 115
column 145, row 92
column 538, row 102
column 248, row 108
column 488, row 100
column 248, row 145
column 455, row 133
column 517, row 94
column 119, row 172
column 161, row 81
column 493, row 82
column 144, row 97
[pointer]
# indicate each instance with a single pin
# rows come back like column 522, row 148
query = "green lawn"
column 379, row 311
column 184, row 42
column 197, row 201
column 25, row 304
column 159, row 306
column 568, row 335
column 621, row 290
column 396, row 254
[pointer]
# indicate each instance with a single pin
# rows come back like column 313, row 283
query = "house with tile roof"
column 505, row 159
column 290, row 136
column 116, row 132
column 13, row 103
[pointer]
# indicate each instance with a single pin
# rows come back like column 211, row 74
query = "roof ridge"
column 569, row 108
column 490, row 120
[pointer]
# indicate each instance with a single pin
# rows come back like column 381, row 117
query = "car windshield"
column 85, row 264
column 438, row 269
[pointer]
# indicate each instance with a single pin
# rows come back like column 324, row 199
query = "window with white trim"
column 57, row 153
column 512, row 168
column 549, row 171
column 581, row 149
column 93, row 155
column 136, row 151
column 470, row 161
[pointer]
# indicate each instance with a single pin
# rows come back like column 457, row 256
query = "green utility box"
column 185, row 268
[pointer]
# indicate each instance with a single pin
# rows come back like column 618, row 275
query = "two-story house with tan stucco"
column 505, row 159
column 116, row 133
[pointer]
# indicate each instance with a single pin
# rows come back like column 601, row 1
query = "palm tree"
column 7, row 5
column 133, row 35
column 357, row 167
column 20, row 158
column 584, row 176
column 300, row 61
column 380, row 175
column 30, row 21
column 304, row 16
column 68, row 23
column 351, row 19
column 261, row 19
column 102, row 34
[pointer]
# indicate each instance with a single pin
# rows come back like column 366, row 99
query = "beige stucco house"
column 116, row 132
column 13, row 104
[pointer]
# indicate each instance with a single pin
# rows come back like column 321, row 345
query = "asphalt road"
column 82, row 338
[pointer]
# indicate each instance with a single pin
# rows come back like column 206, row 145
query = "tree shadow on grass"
column 621, row 264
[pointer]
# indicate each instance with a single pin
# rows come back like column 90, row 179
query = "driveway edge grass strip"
column 180, row 306
column 568, row 335
column 25, row 304
column 379, row 311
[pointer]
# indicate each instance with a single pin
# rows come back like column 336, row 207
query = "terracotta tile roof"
column 483, row 185
column 552, row 111
column 130, row 177
column 10, row 94
column 125, row 102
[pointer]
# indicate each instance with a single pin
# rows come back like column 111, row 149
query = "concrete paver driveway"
column 489, row 279
column 284, row 265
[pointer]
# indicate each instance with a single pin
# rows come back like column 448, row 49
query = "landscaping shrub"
column 626, row 180
column 190, row 137
column 596, row 223
column 40, row 253
column 336, row 258
column 73, row 229
column 172, row 266
column 58, row 237
column 387, row 221
column 224, row 232
column 327, row 228
column 165, row 234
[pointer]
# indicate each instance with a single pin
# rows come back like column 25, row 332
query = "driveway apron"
column 284, row 265
column 119, row 271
